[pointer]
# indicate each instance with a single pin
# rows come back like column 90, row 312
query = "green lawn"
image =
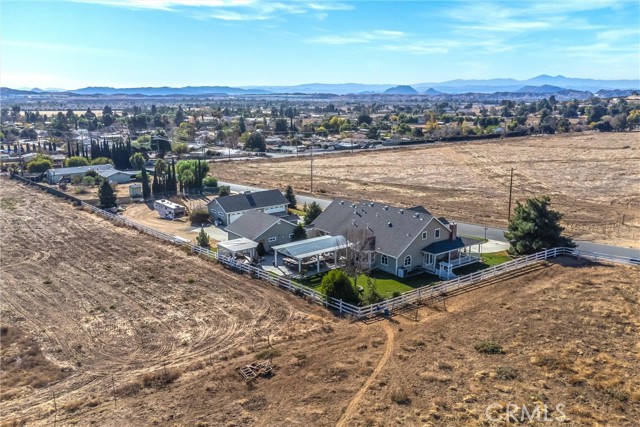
column 488, row 260
column 385, row 283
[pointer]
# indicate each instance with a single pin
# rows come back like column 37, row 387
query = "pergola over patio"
column 305, row 249
column 238, row 246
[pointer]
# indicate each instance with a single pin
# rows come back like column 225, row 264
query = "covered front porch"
column 442, row 257
column 311, row 256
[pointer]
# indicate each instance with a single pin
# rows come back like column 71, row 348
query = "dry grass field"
column 88, row 307
column 593, row 178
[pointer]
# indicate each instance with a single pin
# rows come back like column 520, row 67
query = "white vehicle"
column 169, row 210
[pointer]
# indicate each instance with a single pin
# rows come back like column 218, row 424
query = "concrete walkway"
column 494, row 246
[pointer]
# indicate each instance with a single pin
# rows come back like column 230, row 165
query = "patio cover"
column 310, row 247
column 448, row 245
column 238, row 245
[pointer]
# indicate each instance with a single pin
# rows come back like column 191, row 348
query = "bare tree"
column 360, row 250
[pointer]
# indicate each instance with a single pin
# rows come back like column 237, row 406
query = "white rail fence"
column 438, row 291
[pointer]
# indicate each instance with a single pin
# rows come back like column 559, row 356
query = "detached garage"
column 257, row 226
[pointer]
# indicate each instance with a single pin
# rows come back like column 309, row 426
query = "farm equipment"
column 254, row 370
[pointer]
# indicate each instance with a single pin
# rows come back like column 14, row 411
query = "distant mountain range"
column 538, row 85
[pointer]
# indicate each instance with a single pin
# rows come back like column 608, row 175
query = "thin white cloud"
column 619, row 34
column 168, row 4
column 330, row 6
column 228, row 10
column 526, row 16
column 362, row 37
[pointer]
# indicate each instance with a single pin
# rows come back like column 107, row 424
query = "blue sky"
column 123, row 43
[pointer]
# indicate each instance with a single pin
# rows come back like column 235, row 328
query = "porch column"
column 335, row 258
column 299, row 266
column 449, row 254
column 275, row 260
column 318, row 263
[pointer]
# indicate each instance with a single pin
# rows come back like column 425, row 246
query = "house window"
column 424, row 235
column 272, row 239
column 384, row 260
column 437, row 233
column 407, row 261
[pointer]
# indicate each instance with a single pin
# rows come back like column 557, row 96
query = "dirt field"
column 88, row 307
column 593, row 178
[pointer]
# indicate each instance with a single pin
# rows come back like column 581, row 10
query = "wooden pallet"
column 254, row 370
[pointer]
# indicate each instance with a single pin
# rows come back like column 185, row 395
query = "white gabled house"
column 227, row 209
column 399, row 241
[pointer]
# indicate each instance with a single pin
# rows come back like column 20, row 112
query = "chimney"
column 454, row 231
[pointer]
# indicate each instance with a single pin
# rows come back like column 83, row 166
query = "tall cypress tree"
column 155, row 186
column 146, row 191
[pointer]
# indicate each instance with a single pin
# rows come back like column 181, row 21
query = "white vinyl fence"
column 435, row 292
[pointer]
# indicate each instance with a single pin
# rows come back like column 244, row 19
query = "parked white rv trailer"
column 169, row 210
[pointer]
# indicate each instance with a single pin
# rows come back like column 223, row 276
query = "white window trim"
column 436, row 233
column 384, row 260
column 272, row 239
column 407, row 258
column 424, row 235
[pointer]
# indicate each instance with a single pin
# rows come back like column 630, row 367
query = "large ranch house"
column 227, row 209
column 399, row 241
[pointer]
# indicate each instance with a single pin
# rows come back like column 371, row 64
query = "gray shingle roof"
column 81, row 169
column 253, row 224
column 394, row 228
column 259, row 199
column 449, row 245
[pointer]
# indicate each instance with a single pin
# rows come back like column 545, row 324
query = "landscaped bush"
column 210, row 181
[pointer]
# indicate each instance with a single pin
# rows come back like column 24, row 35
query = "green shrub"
column 506, row 373
column 210, row 181
column 203, row 238
column 336, row 284
column 489, row 347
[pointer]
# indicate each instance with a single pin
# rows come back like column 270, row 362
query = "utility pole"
column 510, row 192
column 312, row 169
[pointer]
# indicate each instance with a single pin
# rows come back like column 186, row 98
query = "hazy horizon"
column 71, row 44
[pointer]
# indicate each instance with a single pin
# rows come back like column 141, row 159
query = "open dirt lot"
column 88, row 307
column 593, row 178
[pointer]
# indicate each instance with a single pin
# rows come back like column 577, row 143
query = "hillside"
column 401, row 90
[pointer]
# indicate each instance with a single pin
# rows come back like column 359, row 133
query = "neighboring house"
column 55, row 175
column 227, row 209
column 267, row 229
column 117, row 177
column 398, row 240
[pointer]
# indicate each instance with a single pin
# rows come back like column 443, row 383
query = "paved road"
column 490, row 233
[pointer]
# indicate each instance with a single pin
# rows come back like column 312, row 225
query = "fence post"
column 340, row 306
